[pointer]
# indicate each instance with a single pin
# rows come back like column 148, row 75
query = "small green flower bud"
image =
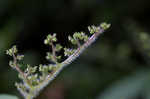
column 17, row 85
column 50, row 38
column 32, row 77
column 54, row 35
column 50, row 67
column 68, row 52
column 86, row 38
column 20, row 76
column 31, row 70
column 69, row 38
column 40, row 67
column 12, row 51
column 54, row 39
column 58, row 47
column 20, row 57
column 46, row 41
column 58, row 57
column 91, row 29
column 104, row 26
column 76, row 35
column 73, row 41
column 12, row 64
column 49, row 56
column 9, row 52
column 20, row 86
column 44, row 68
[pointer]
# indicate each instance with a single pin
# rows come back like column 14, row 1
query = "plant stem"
column 65, row 63
column 54, row 52
column 20, row 71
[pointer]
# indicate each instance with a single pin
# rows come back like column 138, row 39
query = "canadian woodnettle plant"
column 35, row 78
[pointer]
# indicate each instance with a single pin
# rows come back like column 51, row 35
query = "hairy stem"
column 34, row 82
column 68, row 60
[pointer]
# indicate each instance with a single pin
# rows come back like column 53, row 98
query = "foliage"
column 128, row 87
column 5, row 96
column 35, row 78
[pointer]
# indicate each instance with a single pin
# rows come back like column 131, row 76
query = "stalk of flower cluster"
column 70, row 59
column 34, row 83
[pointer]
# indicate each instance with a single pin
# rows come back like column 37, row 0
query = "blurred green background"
column 116, row 66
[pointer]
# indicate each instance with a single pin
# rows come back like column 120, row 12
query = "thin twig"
column 17, row 67
column 20, row 71
column 53, row 51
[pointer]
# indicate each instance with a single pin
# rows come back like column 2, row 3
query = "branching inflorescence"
column 35, row 78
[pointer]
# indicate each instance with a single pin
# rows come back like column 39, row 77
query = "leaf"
column 6, row 96
column 127, row 88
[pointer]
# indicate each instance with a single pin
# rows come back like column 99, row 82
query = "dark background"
column 116, row 66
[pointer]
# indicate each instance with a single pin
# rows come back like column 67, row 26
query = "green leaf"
column 5, row 96
column 127, row 88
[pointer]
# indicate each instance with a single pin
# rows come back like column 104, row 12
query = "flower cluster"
column 35, row 78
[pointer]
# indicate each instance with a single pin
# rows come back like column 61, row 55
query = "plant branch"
column 34, row 83
column 69, row 60
column 53, row 51
column 22, row 74
column 17, row 68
